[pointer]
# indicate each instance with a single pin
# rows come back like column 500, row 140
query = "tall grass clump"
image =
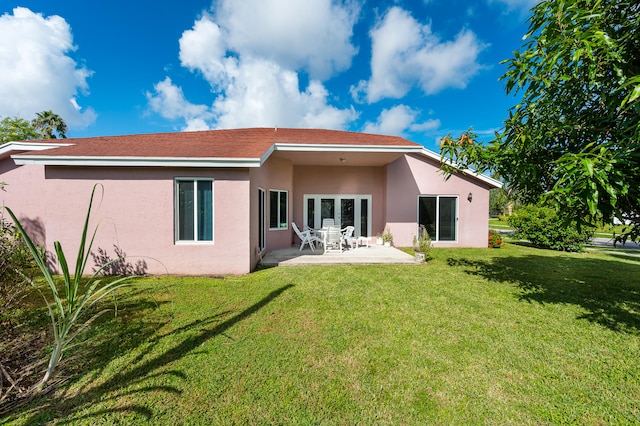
column 15, row 263
column 69, row 312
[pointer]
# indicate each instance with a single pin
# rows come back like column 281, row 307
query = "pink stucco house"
column 213, row 202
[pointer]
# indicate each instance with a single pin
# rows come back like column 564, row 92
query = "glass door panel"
column 347, row 212
column 427, row 214
column 311, row 213
column 364, row 218
column 447, row 219
column 327, row 209
column 262, row 219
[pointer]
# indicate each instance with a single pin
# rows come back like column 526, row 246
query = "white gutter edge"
column 29, row 146
column 135, row 161
column 345, row 148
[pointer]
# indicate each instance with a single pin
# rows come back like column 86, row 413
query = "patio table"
column 362, row 241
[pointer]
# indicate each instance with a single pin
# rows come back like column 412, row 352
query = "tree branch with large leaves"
column 573, row 139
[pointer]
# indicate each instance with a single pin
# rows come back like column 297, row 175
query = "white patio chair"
column 347, row 236
column 305, row 237
column 328, row 222
column 332, row 239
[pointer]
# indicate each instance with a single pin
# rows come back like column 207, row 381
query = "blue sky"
column 417, row 69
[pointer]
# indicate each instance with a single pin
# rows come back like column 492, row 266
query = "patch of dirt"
column 22, row 363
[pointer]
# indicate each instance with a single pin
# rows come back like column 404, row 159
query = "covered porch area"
column 374, row 254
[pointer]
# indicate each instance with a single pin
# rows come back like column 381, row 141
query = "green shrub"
column 544, row 228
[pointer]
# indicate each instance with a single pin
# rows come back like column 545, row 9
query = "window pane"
column 273, row 209
column 427, row 214
column 311, row 213
column 327, row 209
column 185, row 210
column 364, row 217
column 262, row 219
column 205, row 210
column 347, row 212
column 447, row 219
column 283, row 209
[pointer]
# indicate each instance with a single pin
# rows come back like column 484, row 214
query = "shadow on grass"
column 110, row 390
column 608, row 290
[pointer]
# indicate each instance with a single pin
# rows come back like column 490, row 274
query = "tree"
column 574, row 138
column 16, row 129
column 498, row 201
column 48, row 122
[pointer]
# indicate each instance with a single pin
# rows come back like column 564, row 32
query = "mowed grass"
column 495, row 223
column 476, row 336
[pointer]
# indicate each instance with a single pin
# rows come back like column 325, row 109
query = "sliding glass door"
column 438, row 214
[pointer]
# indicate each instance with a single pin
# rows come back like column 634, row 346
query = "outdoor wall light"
column 470, row 197
column 343, row 160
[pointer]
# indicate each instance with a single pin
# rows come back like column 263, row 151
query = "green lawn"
column 495, row 223
column 476, row 336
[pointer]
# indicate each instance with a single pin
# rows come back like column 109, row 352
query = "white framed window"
column 193, row 209
column 439, row 215
column 278, row 209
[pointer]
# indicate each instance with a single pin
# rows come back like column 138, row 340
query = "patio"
column 374, row 254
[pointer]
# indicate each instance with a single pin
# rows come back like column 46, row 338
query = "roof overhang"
column 17, row 146
column 483, row 178
column 50, row 160
column 338, row 154
column 344, row 148
column 326, row 154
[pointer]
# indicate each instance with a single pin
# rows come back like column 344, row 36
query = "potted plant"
column 387, row 237
column 495, row 239
column 379, row 239
column 422, row 245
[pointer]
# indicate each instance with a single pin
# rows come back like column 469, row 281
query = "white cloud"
column 196, row 125
column 260, row 93
column 169, row 101
column 36, row 72
column 203, row 48
column 251, row 52
column 296, row 34
column 395, row 121
column 406, row 53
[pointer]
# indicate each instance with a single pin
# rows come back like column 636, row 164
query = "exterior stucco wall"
column 24, row 195
column 135, row 212
column 411, row 176
column 275, row 174
column 341, row 180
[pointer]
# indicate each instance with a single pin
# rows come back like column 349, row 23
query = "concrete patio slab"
column 373, row 254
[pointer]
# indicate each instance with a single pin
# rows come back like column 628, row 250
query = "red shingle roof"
column 236, row 143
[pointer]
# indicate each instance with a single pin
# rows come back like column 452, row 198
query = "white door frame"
column 338, row 198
